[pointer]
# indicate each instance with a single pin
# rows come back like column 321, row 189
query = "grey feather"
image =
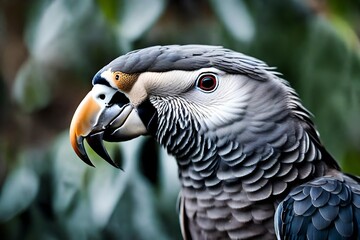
column 267, row 158
column 188, row 58
column 258, row 168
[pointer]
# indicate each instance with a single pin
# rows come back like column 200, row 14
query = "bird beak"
column 96, row 122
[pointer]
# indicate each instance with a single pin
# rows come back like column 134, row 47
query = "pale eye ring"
column 207, row 82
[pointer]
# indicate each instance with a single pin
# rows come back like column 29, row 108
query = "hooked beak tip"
column 81, row 126
column 95, row 141
column 87, row 124
column 77, row 143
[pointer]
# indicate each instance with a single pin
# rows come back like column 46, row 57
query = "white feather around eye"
column 227, row 103
column 102, row 94
column 172, row 83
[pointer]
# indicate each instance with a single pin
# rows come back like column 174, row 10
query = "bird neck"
column 264, row 166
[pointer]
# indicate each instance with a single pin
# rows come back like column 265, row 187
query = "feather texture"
column 238, row 159
column 246, row 151
column 326, row 207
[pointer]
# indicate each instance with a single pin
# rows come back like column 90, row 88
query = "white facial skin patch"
column 102, row 94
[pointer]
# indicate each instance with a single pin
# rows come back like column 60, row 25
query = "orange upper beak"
column 109, row 118
column 88, row 123
column 81, row 126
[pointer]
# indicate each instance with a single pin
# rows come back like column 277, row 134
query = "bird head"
column 173, row 92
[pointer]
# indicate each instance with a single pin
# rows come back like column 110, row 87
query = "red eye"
column 207, row 82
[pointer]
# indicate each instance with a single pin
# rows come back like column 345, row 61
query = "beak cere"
column 96, row 120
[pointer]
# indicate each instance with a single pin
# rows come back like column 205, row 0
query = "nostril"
column 102, row 96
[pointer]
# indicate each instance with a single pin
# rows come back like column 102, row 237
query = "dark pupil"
column 207, row 83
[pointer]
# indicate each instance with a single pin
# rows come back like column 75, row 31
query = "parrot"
column 250, row 161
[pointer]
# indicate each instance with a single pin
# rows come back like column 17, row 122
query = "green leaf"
column 130, row 19
column 137, row 16
column 58, row 33
column 18, row 192
column 328, row 85
column 31, row 89
column 69, row 174
column 109, row 9
column 108, row 184
column 236, row 18
column 350, row 163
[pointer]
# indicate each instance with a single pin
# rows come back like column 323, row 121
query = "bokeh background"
column 49, row 51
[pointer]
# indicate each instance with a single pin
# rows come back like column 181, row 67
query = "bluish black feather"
column 326, row 208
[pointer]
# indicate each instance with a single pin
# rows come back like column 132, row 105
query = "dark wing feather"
column 326, row 208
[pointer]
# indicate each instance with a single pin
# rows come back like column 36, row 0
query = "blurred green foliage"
column 49, row 53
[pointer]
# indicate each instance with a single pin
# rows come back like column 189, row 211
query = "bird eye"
column 207, row 82
column 102, row 96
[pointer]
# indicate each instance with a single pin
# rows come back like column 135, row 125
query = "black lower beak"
column 95, row 141
column 82, row 152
